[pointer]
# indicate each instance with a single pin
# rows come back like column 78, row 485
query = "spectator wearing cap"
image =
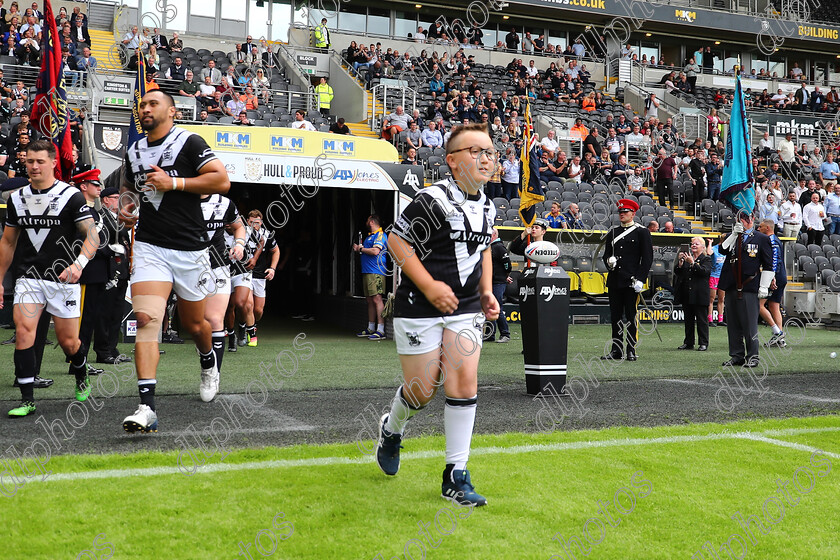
column 628, row 254
column 531, row 234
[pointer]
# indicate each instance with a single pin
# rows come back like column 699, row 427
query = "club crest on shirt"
column 54, row 205
column 168, row 157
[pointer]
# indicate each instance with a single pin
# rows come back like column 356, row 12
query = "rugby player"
column 261, row 272
column 42, row 220
column 241, row 305
column 220, row 214
column 170, row 169
column 441, row 241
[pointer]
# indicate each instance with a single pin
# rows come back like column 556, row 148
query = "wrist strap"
column 82, row 261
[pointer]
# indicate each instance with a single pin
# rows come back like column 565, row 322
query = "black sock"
column 25, row 361
column 147, row 392
column 78, row 365
column 231, row 336
column 207, row 360
column 219, row 347
column 251, row 330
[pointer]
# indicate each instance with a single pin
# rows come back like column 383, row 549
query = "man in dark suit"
column 628, row 253
column 159, row 41
column 691, row 289
column 746, row 277
column 802, row 98
column 80, row 34
column 113, row 300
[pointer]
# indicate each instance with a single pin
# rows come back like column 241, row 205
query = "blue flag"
column 737, row 187
column 136, row 132
column 532, row 191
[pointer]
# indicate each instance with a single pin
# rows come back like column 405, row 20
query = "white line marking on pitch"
column 790, row 395
column 789, row 444
column 492, row 450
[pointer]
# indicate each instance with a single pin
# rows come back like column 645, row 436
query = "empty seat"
column 592, row 283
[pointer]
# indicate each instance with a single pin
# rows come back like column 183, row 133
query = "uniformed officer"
column 746, row 277
column 628, row 253
column 113, row 303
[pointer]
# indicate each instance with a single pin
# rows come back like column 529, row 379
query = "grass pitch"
column 662, row 494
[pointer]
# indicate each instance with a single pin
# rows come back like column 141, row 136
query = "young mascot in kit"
column 441, row 242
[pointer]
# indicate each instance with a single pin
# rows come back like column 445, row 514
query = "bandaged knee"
column 152, row 307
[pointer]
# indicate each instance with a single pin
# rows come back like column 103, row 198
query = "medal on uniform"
column 752, row 250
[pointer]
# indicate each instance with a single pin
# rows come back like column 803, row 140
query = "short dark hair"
column 375, row 218
column 300, row 112
column 169, row 98
column 255, row 214
column 42, row 146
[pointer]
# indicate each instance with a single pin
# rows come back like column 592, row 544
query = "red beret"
column 628, row 204
column 91, row 176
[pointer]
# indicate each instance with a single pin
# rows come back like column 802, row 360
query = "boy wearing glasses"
column 441, row 242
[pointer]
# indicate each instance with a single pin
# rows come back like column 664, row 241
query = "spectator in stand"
column 189, row 88
column 339, row 127
column 801, row 98
column 805, row 196
column 666, row 169
column 714, row 176
column 697, row 171
column 554, row 217
column 132, row 40
column 832, row 209
column 627, row 52
column 653, row 226
column 158, row 40
column 813, row 215
column 80, row 34
column 213, row 72
column 714, row 122
column 668, row 227
column 175, row 44
column 636, row 182
column 791, row 213
column 619, row 171
column 614, row 144
column 575, row 169
column 177, row 71
column 249, row 99
column 691, row 70
column 235, row 106
column 512, row 40
column 651, row 106
column 511, row 176
column 206, row 90
column 592, row 143
column 765, row 146
column 414, row 136
column 395, row 123
column 215, row 106
column 300, row 122
column 787, row 153
column 795, row 72
column 829, row 170
column 243, row 119
column 527, row 43
column 29, row 50
column 768, row 211
column 574, row 219
column 238, row 56
column 431, row 137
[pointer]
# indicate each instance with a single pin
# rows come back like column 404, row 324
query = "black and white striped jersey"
column 263, row 236
column 219, row 211
column 448, row 230
column 47, row 221
column 172, row 219
column 250, row 249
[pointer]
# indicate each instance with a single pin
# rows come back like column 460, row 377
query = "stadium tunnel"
column 315, row 191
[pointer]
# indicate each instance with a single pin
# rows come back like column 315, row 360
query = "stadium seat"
column 809, row 272
column 566, row 262
column 510, row 223
column 583, row 264
column 835, row 262
column 501, row 203
column 822, row 263
column 592, row 283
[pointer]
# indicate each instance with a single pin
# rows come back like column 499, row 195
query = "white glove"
column 730, row 241
column 764, row 284
column 611, row 262
column 738, row 227
column 638, row 286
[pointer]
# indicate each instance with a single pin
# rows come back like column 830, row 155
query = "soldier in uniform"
column 746, row 277
column 113, row 302
column 628, row 253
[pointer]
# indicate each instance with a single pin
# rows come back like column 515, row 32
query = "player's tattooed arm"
column 238, row 230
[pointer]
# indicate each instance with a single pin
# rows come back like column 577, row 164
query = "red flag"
column 49, row 112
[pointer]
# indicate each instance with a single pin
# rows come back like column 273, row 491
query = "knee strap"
column 154, row 307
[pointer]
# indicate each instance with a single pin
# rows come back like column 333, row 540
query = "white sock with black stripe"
column 458, row 422
column 401, row 411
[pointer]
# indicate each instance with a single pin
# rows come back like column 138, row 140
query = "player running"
column 241, row 305
column 170, row 168
column 263, row 270
column 42, row 221
column 220, row 214
column 441, row 241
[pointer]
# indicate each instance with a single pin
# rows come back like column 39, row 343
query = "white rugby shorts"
column 186, row 270
column 425, row 334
